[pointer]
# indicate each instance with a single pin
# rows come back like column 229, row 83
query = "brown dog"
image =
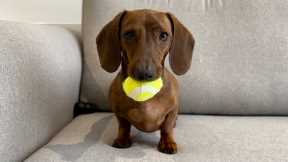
column 140, row 40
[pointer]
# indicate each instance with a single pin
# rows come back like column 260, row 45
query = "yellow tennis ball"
column 141, row 90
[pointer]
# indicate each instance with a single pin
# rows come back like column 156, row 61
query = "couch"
column 234, row 107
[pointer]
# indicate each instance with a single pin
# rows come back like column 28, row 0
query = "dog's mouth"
column 144, row 70
column 149, row 73
column 144, row 75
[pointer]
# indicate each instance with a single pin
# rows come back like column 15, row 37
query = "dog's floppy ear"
column 180, row 54
column 108, row 44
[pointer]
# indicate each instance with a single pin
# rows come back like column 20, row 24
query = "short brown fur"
column 135, row 40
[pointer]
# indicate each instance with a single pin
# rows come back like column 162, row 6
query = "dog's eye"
column 163, row 36
column 130, row 35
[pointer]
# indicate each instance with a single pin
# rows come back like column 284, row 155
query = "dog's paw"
column 122, row 143
column 167, row 147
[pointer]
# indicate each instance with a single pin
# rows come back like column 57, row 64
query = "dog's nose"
column 145, row 73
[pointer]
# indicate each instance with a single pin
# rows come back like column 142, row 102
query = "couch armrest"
column 40, row 71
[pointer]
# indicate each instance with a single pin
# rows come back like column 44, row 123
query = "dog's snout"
column 145, row 72
column 144, row 75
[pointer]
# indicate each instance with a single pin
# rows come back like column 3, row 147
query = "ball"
column 141, row 90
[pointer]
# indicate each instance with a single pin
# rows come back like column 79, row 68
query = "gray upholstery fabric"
column 240, row 62
column 74, row 28
column 200, row 139
column 40, row 69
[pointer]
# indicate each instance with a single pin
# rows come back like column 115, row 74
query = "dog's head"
column 141, row 39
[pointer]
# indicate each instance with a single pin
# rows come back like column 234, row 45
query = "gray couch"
column 234, row 98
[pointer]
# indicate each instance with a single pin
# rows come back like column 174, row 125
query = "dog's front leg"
column 123, row 139
column 167, row 143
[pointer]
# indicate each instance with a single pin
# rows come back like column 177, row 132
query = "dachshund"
column 139, row 41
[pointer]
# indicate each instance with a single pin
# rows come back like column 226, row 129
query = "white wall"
column 42, row 11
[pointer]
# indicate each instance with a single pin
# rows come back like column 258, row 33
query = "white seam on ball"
column 142, row 89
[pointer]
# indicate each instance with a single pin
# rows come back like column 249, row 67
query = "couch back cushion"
column 240, row 61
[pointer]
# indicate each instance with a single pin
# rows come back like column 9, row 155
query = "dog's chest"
column 147, row 117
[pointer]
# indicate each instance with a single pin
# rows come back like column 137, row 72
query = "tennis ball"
column 141, row 90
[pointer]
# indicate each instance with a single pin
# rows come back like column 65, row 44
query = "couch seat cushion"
column 200, row 138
